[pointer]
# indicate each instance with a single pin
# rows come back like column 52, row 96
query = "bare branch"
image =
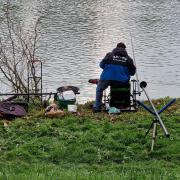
column 17, row 51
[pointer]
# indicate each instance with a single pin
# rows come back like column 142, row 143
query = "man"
column 117, row 67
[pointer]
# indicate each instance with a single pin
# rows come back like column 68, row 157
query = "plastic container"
column 72, row 108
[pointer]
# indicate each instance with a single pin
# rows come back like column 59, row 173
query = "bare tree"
column 17, row 52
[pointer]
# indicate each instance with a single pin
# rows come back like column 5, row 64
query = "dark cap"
column 121, row 45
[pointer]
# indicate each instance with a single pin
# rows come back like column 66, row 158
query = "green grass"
column 90, row 146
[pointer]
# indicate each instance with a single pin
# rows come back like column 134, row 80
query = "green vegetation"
column 90, row 146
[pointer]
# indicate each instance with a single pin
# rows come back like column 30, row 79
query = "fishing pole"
column 137, row 79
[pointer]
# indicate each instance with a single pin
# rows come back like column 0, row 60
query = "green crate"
column 62, row 103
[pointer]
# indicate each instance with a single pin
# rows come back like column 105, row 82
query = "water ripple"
column 76, row 35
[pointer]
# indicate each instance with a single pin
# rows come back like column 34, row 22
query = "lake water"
column 76, row 35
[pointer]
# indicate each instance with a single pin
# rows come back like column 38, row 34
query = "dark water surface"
column 76, row 35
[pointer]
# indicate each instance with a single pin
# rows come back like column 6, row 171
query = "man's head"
column 121, row 45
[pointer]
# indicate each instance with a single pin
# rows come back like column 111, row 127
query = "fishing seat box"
column 120, row 95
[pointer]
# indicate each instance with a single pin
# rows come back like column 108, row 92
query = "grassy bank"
column 90, row 146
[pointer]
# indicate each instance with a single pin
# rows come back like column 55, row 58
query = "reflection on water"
column 76, row 35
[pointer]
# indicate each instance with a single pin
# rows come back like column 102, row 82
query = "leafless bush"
column 17, row 51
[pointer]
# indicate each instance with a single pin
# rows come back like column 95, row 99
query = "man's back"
column 117, row 65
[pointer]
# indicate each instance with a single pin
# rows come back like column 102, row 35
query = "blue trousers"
column 101, row 86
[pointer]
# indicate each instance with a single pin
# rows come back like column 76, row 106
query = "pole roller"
column 156, row 113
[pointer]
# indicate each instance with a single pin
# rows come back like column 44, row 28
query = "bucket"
column 65, row 99
column 72, row 108
column 64, row 103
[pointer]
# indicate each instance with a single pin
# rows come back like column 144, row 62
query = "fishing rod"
column 137, row 79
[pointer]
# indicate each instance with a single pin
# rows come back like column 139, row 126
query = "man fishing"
column 117, row 68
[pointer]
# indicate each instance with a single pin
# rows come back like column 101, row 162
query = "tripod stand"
column 154, row 133
column 157, row 119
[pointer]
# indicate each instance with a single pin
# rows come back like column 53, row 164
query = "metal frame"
column 30, row 77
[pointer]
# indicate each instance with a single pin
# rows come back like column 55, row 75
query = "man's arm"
column 131, row 66
column 103, row 62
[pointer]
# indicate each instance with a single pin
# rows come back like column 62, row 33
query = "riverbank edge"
column 87, row 145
